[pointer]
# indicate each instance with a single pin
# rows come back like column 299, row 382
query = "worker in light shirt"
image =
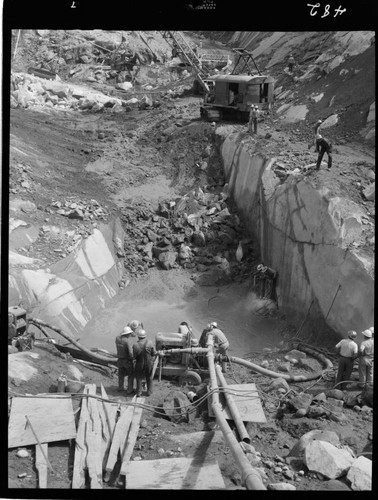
column 347, row 350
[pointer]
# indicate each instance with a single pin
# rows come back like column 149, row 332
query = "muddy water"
column 231, row 306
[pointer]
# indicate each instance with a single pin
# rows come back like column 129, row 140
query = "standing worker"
column 347, row 350
column 144, row 353
column 291, row 63
column 124, row 344
column 366, row 358
column 135, row 326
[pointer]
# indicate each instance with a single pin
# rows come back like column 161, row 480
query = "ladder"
column 187, row 55
column 243, row 61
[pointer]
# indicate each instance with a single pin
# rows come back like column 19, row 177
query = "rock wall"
column 307, row 236
column 71, row 291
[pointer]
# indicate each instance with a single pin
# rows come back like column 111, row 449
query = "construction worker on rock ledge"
column 144, row 354
column 124, row 344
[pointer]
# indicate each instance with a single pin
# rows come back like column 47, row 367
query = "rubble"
column 360, row 474
column 324, row 458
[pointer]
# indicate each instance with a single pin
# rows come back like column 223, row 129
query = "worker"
column 144, row 353
column 253, row 118
column 135, row 326
column 124, row 344
column 220, row 339
column 323, row 146
column 347, row 350
column 12, row 330
column 366, row 358
column 291, row 63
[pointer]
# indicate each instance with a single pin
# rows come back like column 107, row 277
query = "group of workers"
column 136, row 354
column 349, row 351
column 254, row 114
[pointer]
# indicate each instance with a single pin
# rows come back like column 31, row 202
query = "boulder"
column 369, row 192
column 167, row 259
column 320, row 397
column 367, row 396
column 284, row 367
column 360, row 474
column 317, row 434
column 316, row 412
column 326, row 459
column 199, row 239
column 124, row 86
column 281, row 486
column 294, row 354
column 335, row 393
column 175, row 406
column 332, row 485
column 278, row 383
column 303, row 400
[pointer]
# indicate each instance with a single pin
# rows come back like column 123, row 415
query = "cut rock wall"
column 306, row 235
column 71, row 291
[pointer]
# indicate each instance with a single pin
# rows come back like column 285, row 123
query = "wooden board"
column 93, row 440
column 80, row 459
column 247, row 400
column 174, row 474
column 52, row 419
column 132, row 436
column 41, row 464
column 120, row 434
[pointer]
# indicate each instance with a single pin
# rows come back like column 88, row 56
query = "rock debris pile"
column 197, row 231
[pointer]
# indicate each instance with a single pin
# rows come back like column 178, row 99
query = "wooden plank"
column 247, row 400
column 120, row 435
column 93, row 439
column 132, row 436
column 53, row 420
column 174, row 474
column 108, row 412
column 80, row 459
column 41, row 464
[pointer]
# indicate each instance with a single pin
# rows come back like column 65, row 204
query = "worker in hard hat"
column 220, row 339
column 124, row 344
column 366, row 358
column 347, row 350
column 135, row 326
column 145, row 354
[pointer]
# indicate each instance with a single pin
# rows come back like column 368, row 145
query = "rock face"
column 323, row 457
column 360, row 474
column 70, row 293
column 303, row 233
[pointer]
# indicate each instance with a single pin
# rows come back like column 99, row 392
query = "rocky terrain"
column 109, row 142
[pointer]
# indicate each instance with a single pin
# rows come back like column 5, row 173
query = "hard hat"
column 320, row 121
column 142, row 334
column 367, row 333
column 134, row 324
column 213, row 124
column 214, row 324
column 372, row 329
column 352, row 334
column 126, row 330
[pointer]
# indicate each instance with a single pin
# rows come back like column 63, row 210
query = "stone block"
column 278, row 383
column 317, row 434
column 335, row 393
column 324, row 458
column 295, row 354
column 303, row 400
column 360, row 474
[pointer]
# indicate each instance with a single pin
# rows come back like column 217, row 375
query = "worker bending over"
column 124, row 344
column 322, row 146
column 144, row 353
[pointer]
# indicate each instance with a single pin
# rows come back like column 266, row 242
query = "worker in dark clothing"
column 12, row 330
column 323, row 146
column 144, row 353
column 203, row 338
column 291, row 63
column 124, row 344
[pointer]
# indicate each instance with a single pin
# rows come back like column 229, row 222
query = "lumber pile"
column 106, row 434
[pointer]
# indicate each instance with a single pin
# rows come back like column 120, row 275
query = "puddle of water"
column 246, row 331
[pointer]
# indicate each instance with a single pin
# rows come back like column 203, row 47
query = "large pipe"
column 250, row 478
column 269, row 373
column 38, row 323
column 243, row 434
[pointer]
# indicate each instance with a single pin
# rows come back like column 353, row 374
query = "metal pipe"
column 250, row 478
column 243, row 434
column 194, row 350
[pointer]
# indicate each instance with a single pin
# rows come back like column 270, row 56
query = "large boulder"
column 303, row 400
column 317, row 434
column 360, row 474
column 326, row 459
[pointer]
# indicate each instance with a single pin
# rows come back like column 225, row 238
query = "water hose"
column 39, row 323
